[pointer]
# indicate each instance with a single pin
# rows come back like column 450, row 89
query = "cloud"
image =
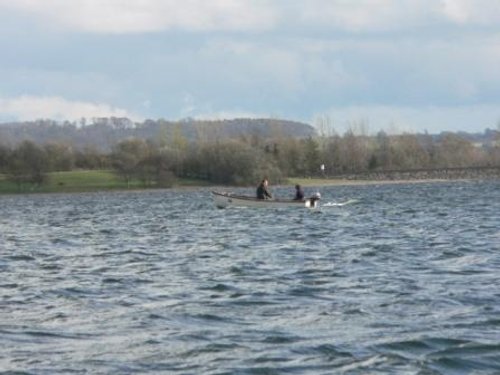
column 478, row 12
column 359, row 16
column 287, row 58
column 26, row 108
column 143, row 16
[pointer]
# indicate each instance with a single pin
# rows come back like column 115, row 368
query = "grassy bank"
column 70, row 181
column 82, row 181
column 103, row 180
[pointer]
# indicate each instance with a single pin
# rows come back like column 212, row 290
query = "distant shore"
column 352, row 182
column 405, row 176
column 102, row 180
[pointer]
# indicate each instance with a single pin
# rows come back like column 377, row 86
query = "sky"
column 392, row 65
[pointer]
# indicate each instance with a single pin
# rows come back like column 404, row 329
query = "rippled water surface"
column 403, row 279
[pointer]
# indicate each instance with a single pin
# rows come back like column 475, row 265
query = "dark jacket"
column 263, row 193
column 299, row 195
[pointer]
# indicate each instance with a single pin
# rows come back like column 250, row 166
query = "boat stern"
column 313, row 202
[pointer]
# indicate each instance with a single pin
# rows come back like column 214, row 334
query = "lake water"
column 403, row 279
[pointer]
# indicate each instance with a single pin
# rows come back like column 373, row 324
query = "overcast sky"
column 396, row 65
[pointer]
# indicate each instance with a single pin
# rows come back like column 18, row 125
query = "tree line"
column 246, row 159
column 103, row 133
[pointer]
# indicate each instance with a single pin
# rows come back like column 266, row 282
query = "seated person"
column 299, row 193
column 262, row 192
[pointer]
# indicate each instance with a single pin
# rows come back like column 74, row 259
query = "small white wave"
column 340, row 204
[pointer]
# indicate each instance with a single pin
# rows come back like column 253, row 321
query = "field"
column 81, row 181
column 102, row 180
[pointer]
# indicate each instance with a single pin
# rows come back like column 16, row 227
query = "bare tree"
column 59, row 156
column 455, row 151
column 126, row 157
column 27, row 164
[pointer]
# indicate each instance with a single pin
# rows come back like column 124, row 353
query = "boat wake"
column 340, row 204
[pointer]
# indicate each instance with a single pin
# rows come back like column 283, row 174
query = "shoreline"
column 346, row 182
column 412, row 176
column 329, row 182
column 103, row 181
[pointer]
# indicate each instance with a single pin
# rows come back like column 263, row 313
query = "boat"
column 223, row 200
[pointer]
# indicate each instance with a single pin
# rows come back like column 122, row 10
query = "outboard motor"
column 314, row 199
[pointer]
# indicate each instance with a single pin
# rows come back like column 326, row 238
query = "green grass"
column 86, row 180
column 102, row 180
column 6, row 186
column 83, row 181
column 71, row 181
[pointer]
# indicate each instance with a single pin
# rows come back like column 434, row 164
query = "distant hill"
column 102, row 133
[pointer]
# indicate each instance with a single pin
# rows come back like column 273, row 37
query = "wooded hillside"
column 103, row 133
column 222, row 153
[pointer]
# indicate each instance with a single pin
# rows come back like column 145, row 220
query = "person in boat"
column 262, row 191
column 299, row 193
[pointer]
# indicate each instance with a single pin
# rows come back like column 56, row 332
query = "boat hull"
column 223, row 200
